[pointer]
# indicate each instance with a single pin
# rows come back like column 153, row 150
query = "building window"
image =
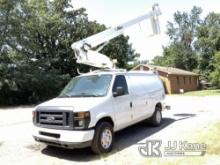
column 184, row 80
column 178, row 80
column 190, row 81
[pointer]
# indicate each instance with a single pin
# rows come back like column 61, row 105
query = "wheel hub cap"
column 106, row 138
column 158, row 117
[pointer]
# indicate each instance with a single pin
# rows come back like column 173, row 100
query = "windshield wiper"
column 86, row 95
column 91, row 95
column 79, row 95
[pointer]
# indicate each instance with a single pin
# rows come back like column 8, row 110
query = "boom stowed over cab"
column 95, row 105
column 86, row 53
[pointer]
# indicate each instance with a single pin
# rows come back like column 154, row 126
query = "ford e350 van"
column 95, row 105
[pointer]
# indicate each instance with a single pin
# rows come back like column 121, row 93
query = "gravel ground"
column 187, row 115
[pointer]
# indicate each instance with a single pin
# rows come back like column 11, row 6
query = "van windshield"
column 87, row 86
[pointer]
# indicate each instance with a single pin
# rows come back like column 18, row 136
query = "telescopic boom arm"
column 84, row 49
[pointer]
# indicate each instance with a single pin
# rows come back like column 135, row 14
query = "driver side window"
column 120, row 81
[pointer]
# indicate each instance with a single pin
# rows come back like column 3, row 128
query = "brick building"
column 174, row 79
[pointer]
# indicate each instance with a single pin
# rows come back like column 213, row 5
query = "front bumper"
column 64, row 138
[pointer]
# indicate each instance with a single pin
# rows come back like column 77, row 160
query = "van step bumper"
column 63, row 138
column 62, row 144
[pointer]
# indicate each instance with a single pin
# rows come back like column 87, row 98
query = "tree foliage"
column 208, row 43
column 215, row 75
column 36, row 58
column 182, row 32
column 194, row 44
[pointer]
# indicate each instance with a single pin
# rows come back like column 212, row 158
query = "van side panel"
column 146, row 91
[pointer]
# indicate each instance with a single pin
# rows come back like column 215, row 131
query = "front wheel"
column 156, row 119
column 103, row 138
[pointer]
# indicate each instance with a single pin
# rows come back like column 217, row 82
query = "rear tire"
column 156, row 119
column 103, row 138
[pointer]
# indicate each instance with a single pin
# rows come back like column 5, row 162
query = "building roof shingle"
column 168, row 70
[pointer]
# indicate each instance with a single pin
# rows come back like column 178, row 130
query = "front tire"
column 103, row 138
column 156, row 119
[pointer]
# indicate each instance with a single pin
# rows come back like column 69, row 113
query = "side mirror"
column 119, row 91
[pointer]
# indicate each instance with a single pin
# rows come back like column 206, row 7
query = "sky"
column 115, row 12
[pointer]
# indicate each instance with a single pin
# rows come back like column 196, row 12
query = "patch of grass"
column 202, row 93
column 211, row 139
column 209, row 135
column 175, row 161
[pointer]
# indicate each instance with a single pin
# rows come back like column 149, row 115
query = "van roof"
column 118, row 71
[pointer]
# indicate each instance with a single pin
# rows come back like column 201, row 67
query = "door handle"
column 131, row 104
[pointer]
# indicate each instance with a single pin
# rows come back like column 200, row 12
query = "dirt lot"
column 187, row 115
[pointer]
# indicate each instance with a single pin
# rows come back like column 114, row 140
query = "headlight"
column 34, row 116
column 81, row 120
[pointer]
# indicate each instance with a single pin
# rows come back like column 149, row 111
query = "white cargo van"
column 95, row 105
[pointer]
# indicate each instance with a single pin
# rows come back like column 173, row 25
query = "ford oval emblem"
column 50, row 118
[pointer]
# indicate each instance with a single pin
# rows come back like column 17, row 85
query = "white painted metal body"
column 145, row 90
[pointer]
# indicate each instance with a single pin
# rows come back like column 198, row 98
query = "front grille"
column 54, row 119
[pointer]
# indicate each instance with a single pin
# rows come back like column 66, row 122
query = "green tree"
column 182, row 32
column 177, row 55
column 122, row 51
column 215, row 75
column 158, row 60
column 208, row 42
column 35, row 48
